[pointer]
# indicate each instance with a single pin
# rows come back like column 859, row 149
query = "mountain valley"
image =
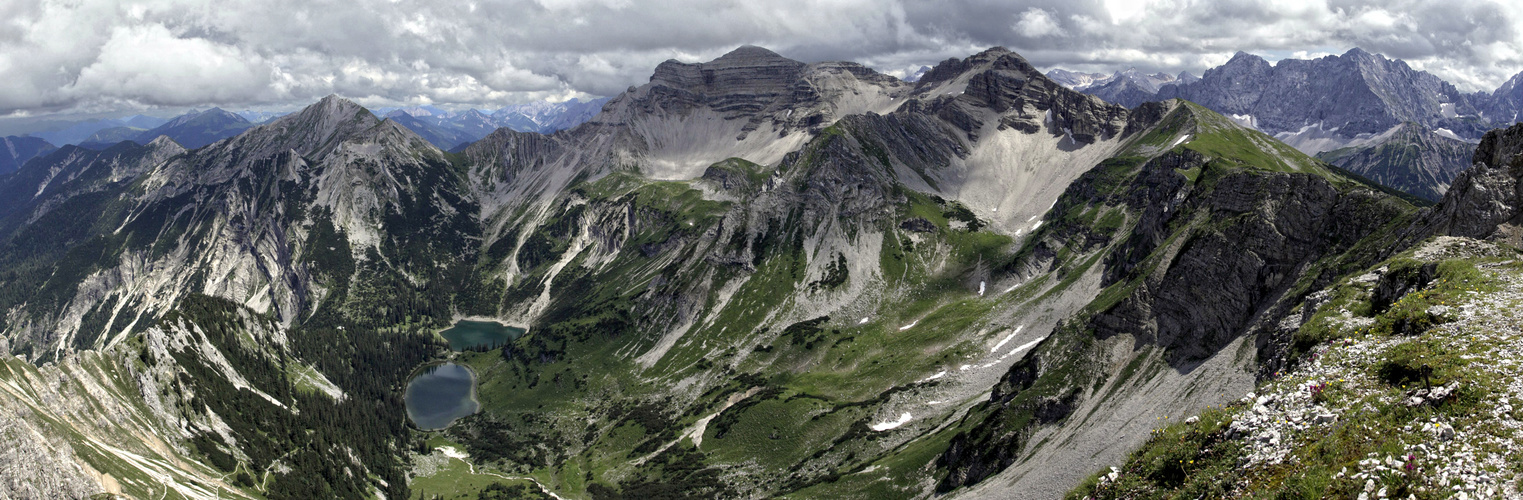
column 756, row 277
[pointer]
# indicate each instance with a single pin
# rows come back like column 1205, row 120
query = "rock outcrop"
column 1485, row 200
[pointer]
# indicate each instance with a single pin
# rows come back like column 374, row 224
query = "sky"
column 105, row 57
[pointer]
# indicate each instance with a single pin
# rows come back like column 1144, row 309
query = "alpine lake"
column 441, row 393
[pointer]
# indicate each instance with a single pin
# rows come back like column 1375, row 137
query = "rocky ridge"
column 1402, row 381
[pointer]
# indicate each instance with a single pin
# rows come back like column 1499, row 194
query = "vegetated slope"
column 1408, row 158
column 716, row 289
column 845, row 322
column 1222, row 233
column 343, row 235
column 1403, row 378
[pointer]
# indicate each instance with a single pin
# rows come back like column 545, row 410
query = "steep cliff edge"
column 1401, row 381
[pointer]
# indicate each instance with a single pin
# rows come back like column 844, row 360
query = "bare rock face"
column 1506, row 103
column 34, row 467
column 744, row 81
column 756, row 85
column 1002, row 81
column 1356, row 93
column 1485, row 200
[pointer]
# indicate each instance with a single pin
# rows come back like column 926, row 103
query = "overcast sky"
column 95, row 56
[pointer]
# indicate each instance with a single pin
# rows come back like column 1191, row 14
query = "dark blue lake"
column 440, row 395
column 471, row 334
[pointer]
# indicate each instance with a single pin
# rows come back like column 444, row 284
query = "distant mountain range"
column 444, row 129
column 1319, row 104
column 78, row 132
column 450, row 130
column 1127, row 88
column 1405, row 128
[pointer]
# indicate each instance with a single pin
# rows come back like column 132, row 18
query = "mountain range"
column 747, row 277
column 1357, row 100
column 450, row 130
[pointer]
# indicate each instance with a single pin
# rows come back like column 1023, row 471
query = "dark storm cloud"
column 104, row 55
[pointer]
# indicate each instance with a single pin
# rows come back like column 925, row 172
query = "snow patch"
column 1448, row 133
column 980, row 288
column 450, row 451
column 939, row 374
column 883, row 426
column 1447, row 109
column 1022, row 347
column 909, row 326
column 1246, row 121
column 1182, row 140
column 862, row 322
column 1007, row 338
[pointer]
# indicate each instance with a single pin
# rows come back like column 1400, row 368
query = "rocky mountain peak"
column 747, row 55
column 1512, row 87
column 1358, row 53
column 997, row 58
column 329, row 108
column 745, row 67
column 1241, row 63
column 164, row 141
column 332, row 116
column 1500, row 147
column 1508, row 97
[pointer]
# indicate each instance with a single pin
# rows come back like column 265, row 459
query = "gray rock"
column 1485, row 200
column 1357, row 93
column 918, row 225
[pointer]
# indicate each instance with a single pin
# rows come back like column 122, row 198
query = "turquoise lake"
column 471, row 334
column 440, row 395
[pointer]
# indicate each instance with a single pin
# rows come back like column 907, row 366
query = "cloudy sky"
column 109, row 56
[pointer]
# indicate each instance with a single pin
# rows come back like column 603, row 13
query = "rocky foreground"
column 1411, row 387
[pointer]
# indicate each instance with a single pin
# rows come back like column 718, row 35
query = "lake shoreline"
column 490, row 319
column 471, row 394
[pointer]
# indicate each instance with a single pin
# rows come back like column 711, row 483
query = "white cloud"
column 1037, row 23
column 150, row 64
column 95, row 54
